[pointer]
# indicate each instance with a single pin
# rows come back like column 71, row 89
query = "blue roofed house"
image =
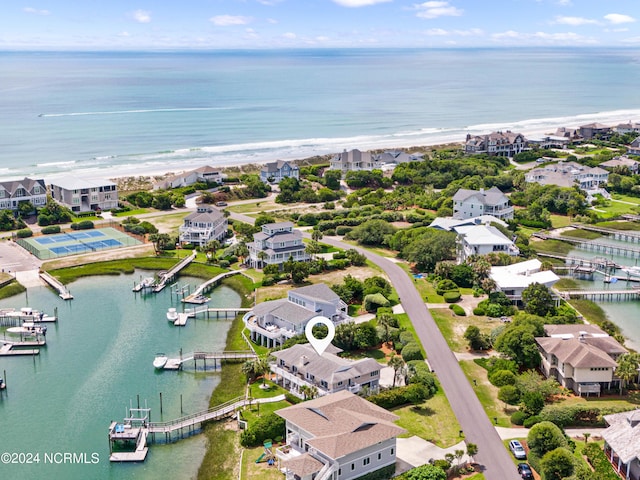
column 272, row 323
column 273, row 172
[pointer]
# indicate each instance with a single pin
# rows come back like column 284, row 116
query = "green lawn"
column 559, row 221
column 584, row 234
column 273, row 391
column 131, row 213
column 252, row 470
column 256, row 410
column 486, row 393
column 551, row 246
column 627, row 226
column 625, row 198
column 443, row 321
column 433, row 420
column 258, row 205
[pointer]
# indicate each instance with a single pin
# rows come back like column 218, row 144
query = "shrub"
column 268, row 426
column 343, row 230
column 545, row 437
column 445, row 285
column 411, row 351
column 457, row 309
column 266, row 281
column 451, row 297
column 24, row 233
column 414, row 393
column 531, row 421
column 518, row 417
column 509, row 394
column 292, row 399
column 404, row 339
column 50, row 229
column 500, row 378
column 339, row 255
column 224, row 263
column 479, row 311
column 599, row 462
column 83, row 225
column 375, row 300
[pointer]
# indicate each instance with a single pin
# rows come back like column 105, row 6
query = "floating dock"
column 7, row 350
column 10, row 317
column 63, row 293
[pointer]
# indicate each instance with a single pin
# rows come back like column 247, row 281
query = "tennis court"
column 76, row 242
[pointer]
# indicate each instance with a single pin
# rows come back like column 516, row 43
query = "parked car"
column 517, row 449
column 525, row 471
column 221, row 204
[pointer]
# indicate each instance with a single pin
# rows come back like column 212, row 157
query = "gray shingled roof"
column 623, row 434
column 342, row 423
column 576, row 353
column 27, row 183
column 320, row 291
column 210, row 215
column 303, row 465
column 490, row 197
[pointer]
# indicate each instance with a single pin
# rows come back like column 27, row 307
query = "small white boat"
column 633, row 271
column 172, row 314
column 27, row 313
column 146, row 284
column 2, row 384
column 28, row 328
column 160, row 361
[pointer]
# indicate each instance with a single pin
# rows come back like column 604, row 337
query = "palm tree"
column 249, row 369
column 262, row 256
column 397, row 364
column 211, row 248
column 261, row 367
column 627, row 370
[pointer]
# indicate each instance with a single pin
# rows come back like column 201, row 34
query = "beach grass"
column 625, row 226
column 566, row 284
column 10, row 289
column 591, row 311
column 552, row 246
column 583, row 234
column 453, row 326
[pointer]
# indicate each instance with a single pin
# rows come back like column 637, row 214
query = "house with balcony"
column 546, row 142
column 621, row 162
column 340, row 436
column 449, row 223
column 184, row 179
column 634, row 148
column 513, row 279
column 481, row 240
column 354, row 160
column 203, row 225
column 622, row 443
column 15, row 192
column 580, row 357
column 84, row 194
column 505, row 144
column 629, row 127
column 474, row 203
column 595, row 130
column 273, row 172
column 275, row 244
column 271, row 323
column 569, row 174
column 301, row 365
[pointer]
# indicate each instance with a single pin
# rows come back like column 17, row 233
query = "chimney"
column 582, row 334
column 482, row 191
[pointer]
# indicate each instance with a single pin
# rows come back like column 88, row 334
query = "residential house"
column 392, row 158
column 473, row 203
column 569, row 174
column 271, row 323
column 184, row 179
column 481, row 240
column 354, row 160
column 273, row 172
column 622, row 443
column 595, row 130
column 629, row 127
column 513, row 279
column 580, row 357
column 549, row 141
column 573, row 134
column 449, row 223
column 506, row 144
column 340, row 436
column 300, row 365
column 634, row 148
column 84, row 195
column 275, row 244
column 15, row 192
column 203, row 225
column 622, row 161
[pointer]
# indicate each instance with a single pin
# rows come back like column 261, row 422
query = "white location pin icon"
column 320, row 344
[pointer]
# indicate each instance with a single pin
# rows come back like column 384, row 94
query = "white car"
column 517, row 449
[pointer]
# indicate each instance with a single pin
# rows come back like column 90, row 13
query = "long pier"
column 197, row 295
column 63, row 292
column 176, row 363
column 593, row 246
column 168, row 276
column 630, row 236
column 608, row 295
column 181, row 321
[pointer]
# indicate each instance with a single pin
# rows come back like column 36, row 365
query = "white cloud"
column 565, row 3
column 228, row 20
column 617, row 18
column 439, row 32
column 35, row 11
column 574, row 21
column 359, row 3
column 289, row 35
column 562, row 38
column 430, row 10
column 124, row 34
column 141, row 16
column 272, row 21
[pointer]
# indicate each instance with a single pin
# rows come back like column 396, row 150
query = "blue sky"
column 213, row 24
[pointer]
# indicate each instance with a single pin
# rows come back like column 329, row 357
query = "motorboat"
column 28, row 328
column 172, row 314
column 632, row 271
column 146, row 284
column 160, row 361
column 27, row 313
column 3, row 385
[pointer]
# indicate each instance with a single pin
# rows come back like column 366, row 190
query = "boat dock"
column 10, row 317
column 166, row 277
column 145, row 284
column 63, row 292
column 608, row 295
column 593, row 246
column 138, row 430
column 630, row 236
column 177, row 363
column 181, row 321
column 7, row 350
column 198, row 295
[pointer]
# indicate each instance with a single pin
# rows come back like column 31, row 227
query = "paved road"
column 477, row 428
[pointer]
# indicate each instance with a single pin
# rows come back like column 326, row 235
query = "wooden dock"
column 630, row 236
column 7, row 350
column 607, row 295
column 176, row 363
column 63, row 293
column 166, row 277
column 181, row 321
column 605, row 248
column 198, row 295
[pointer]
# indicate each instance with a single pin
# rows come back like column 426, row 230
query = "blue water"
column 97, row 362
column 114, row 113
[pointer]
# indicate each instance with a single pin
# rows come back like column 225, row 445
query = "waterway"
column 97, row 362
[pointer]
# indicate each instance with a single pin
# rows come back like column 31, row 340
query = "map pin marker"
column 320, row 345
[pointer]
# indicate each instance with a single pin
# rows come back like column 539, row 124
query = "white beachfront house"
column 569, row 174
column 580, row 357
column 184, row 179
column 15, row 192
column 449, row 223
column 271, row 323
column 84, row 195
column 474, row 203
column 273, row 172
column 340, row 436
column 513, row 279
column 622, row 443
column 203, row 225
column 482, row 240
column 275, row 244
column 301, row 365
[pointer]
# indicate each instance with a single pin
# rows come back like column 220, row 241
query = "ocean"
column 108, row 114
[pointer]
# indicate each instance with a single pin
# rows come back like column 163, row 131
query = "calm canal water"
column 97, row 360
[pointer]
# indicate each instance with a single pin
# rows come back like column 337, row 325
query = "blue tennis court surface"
column 65, row 237
column 86, row 246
